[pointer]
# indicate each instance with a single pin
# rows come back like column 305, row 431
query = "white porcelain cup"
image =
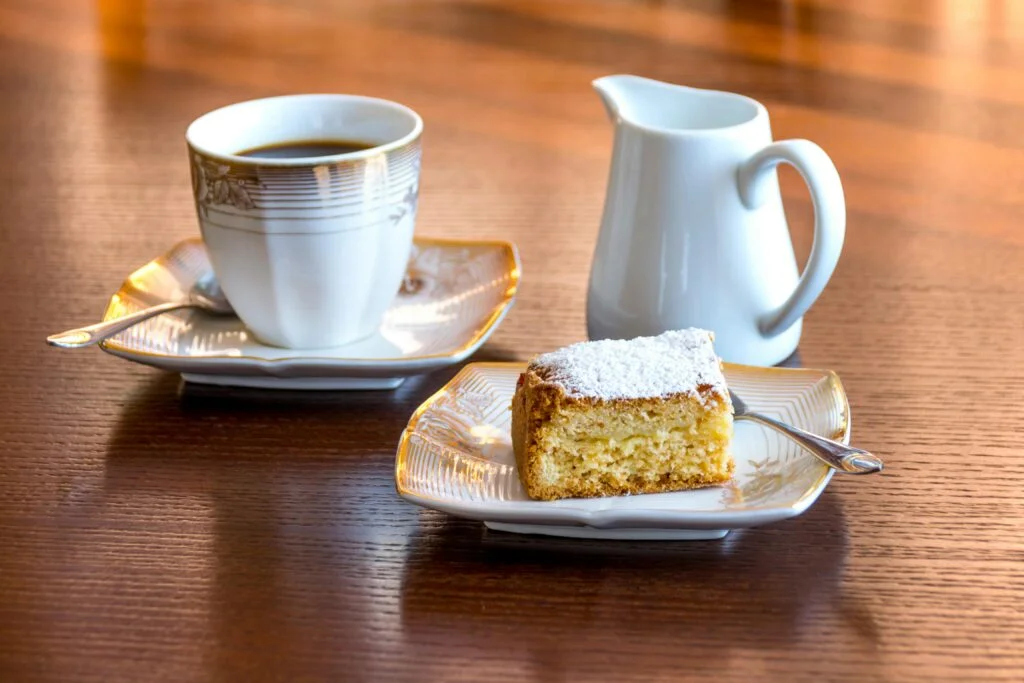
column 310, row 251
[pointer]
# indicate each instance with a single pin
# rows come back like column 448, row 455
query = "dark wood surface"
column 150, row 531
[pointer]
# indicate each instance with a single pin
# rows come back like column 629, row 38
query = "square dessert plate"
column 456, row 456
column 454, row 296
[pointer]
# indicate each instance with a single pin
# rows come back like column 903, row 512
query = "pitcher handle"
column 822, row 179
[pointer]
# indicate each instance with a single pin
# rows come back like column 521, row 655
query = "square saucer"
column 455, row 295
column 456, row 456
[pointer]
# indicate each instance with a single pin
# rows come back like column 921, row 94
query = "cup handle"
column 822, row 179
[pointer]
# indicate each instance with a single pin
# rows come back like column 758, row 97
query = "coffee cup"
column 307, row 205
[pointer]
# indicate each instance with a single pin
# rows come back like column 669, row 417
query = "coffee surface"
column 306, row 148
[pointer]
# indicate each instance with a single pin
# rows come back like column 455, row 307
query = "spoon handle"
column 91, row 334
column 834, row 454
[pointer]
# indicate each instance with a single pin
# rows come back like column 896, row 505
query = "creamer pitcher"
column 693, row 232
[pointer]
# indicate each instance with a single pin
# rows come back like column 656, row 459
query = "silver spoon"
column 834, row 454
column 206, row 295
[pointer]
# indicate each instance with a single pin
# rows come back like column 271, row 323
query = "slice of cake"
column 612, row 417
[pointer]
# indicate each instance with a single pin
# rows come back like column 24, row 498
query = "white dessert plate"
column 455, row 295
column 456, row 456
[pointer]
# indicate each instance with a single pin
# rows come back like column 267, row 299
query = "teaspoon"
column 834, row 454
column 206, row 295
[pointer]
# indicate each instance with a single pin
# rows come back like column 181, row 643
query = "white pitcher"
column 693, row 232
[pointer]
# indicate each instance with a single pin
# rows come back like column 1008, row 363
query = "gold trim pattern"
column 217, row 183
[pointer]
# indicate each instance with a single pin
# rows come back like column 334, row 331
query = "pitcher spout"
column 665, row 107
column 614, row 92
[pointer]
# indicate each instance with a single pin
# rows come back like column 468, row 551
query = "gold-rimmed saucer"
column 455, row 295
column 456, row 456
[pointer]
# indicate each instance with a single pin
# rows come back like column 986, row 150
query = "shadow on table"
column 167, row 412
column 175, row 430
column 667, row 604
column 261, row 511
column 793, row 361
column 176, row 436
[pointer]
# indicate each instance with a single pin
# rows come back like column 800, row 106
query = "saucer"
column 455, row 295
column 456, row 456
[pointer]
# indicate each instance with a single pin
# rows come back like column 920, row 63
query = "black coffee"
column 307, row 148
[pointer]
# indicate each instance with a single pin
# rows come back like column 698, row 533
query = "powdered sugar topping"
column 676, row 362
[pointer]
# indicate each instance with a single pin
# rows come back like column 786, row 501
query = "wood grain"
column 151, row 531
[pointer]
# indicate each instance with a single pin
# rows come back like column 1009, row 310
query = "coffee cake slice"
column 613, row 417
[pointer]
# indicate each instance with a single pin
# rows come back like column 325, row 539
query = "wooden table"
column 150, row 531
